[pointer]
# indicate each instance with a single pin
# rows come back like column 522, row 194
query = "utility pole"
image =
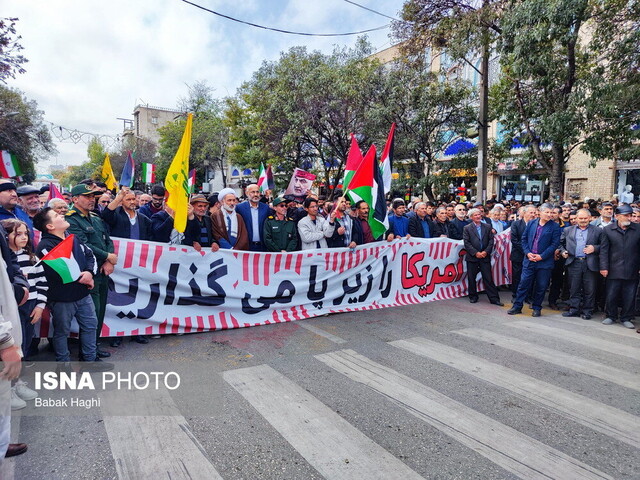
column 483, row 125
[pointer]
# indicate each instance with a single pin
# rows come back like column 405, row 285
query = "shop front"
column 523, row 187
column 628, row 181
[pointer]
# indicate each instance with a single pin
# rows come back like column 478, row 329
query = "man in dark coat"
column 540, row 240
column 478, row 242
column 199, row 230
column 619, row 264
column 441, row 224
column 517, row 253
column 420, row 224
column 580, row 247
column 459, row 221
column 123, row 219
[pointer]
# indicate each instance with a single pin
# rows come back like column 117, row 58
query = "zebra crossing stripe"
column 154, row 446
column 556, row 357
column 322, row 333
column 334, row 447
column 580, row 339
column 614, row 329
column 611, row 421
column 514, row 451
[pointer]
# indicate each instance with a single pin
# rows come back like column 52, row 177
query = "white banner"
column 161, row 289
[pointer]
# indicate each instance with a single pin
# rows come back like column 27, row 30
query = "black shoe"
column 15, row 449
column 140, row 339
column 102, row 354
column 514, row 311
column 473, row 300
column 97, row 366
column 586, row 316
column 116, row 342
column 554, row 306
column 498, row 303
column 571, row 313
column 536, row 313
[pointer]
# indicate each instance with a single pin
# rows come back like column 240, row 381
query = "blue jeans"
column 542, row 276
column 85, row 313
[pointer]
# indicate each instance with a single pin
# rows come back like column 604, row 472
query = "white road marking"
column 556, row 357
column 611, row 421
column 334, row 447
column 158, row 446
column 585, row 340
column 615, row 329
column 508, row 448
column 322, row 333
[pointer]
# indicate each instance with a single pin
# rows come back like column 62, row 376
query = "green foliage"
column 22, row 130
column 209, row 139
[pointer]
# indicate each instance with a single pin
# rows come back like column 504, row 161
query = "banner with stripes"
column 161, row 289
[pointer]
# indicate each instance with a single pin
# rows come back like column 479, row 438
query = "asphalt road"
column 440, row 390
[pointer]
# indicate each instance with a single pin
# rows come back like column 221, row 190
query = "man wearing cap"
column 619, row 264
column 123, row 219
column 9, row 207
column 29, row 198
column 580, row 246
column 280, row 230
column 93, row 232
column 254, row 213
column 199, row 230
column 228, row 227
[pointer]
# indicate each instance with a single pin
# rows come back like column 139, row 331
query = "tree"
column 11, row 60
column 428, row 113
column 209, row 135
column 300, row 110
column 569, row 80
column 22, row 131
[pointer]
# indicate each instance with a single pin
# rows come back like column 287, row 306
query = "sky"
column 91, row 62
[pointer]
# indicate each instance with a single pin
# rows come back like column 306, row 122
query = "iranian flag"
column 367, row 184
column 9, row 166
column 148, row 173
column 265, row 179
column 62, row 261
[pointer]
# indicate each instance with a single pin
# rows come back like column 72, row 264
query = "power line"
column 371, row 10
column 289, row 32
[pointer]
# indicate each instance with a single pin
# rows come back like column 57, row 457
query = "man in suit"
column 517, row 254
column 478, row 242
column 580, row 246
column 619, row 264
column 228, row 227
column 254, row 213
column 540, row 239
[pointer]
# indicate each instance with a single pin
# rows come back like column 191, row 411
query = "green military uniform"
column 92, row 231
column 280, row 234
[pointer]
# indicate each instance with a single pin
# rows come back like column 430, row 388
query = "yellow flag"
column 177, row 181
column 107, row 173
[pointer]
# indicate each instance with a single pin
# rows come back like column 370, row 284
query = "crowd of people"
column 586, row 256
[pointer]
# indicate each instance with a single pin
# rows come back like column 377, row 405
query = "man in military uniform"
column 280, row 230
column 92, row 231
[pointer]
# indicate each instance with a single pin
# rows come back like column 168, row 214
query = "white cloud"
column 91, row 62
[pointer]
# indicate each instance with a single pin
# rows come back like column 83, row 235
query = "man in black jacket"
column 619, row 264
column 580, row 247
column 459, row 221
column 478, row 242
column 70, row 299
column 199, row 231
column 420, row 225
column 348, row 231
column 123, row 219
column 441, row 225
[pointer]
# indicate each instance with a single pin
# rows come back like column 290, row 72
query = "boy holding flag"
column 69, row 267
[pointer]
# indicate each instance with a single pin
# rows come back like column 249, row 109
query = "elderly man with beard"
column 459, row 222
column 580, row 247
column 199, row 231
column 228, row 227
column 619, row 264
column 254, row 213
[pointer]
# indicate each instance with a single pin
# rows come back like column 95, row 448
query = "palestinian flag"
column 354, row 159
column 62, row 261
column 148, row 173
column 54, row 192
column 366, row 184
column 9, row 167
column 386, row 160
